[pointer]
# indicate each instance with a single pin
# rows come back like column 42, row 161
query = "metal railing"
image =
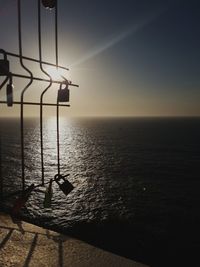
column 5, row 72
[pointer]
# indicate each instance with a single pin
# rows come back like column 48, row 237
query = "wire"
column 66, row 82
column 22, row 94
column 32, row 59
column 42, row 94
column 57, row 108
column 56, row 33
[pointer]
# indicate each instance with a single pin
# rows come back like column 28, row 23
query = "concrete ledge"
column 24, row 244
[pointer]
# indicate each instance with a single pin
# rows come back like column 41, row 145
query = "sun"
column 55, row 73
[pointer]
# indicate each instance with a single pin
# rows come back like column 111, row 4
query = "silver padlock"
column 9, row 93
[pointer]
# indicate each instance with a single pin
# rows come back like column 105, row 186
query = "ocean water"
column 136, row 180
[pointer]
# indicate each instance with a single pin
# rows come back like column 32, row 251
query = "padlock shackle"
column 4, row 54
column 65, row 82
column 66, row 175
column 60, row 176
column 8, row 77
column 61, row 86
column 57, row 177
column 4, row 82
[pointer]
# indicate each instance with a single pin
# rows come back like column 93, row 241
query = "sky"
column 129, row 57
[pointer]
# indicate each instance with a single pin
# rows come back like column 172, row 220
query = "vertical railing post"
column 57, row 108
column 22, row 95
column 42, row 94
column 58, row 138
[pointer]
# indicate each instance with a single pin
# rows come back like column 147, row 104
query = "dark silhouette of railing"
column 5, row 72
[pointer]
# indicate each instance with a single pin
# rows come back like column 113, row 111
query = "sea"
column 136, row 183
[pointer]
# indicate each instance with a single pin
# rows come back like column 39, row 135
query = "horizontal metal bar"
column 41, row 79
column 35, row 60
column 36, row 104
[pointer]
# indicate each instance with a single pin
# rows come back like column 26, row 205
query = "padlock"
column 49, row 3
column 66, row 187
column 9, row 93
column 63, row 94
column 4, row 65
column 21, row 200
column 48, row 195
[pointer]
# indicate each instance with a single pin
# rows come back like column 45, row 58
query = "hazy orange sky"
column 130, row 58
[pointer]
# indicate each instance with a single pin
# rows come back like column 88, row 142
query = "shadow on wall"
column 31, row 247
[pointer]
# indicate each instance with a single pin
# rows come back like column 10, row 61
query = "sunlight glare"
column 55, row 73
